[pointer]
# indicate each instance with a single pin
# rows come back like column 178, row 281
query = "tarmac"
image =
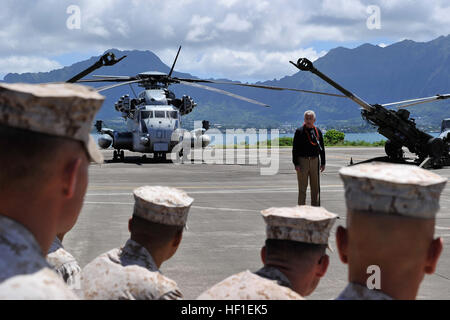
column 225, row 229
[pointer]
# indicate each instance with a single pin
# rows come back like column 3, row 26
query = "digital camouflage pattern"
column 127, row 273
column 24, row 272
column 41, row 285
column 301, row 223
column 266, row 284
column 163, row 205
column 64, row 263
column 60, row 109
column 395, row 189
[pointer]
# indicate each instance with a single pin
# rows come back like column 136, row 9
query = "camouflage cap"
column 163, row 205
column 396, row 189
column 301, row 223
column 60, row 109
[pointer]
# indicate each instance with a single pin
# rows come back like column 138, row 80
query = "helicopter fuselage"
column 153, row 124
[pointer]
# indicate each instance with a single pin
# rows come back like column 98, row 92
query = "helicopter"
column 397, row 126
column 154, row 116
column 445, row 129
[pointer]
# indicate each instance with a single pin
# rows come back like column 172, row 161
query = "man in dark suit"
column 308, row 145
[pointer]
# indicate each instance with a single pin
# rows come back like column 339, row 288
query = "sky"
column 250, row 40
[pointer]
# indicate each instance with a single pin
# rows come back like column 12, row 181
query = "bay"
column 366, row 136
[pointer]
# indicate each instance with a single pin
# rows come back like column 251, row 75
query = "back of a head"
column 391, row 210
column 156, row 234
column 30, row 157
column 37, row 122
column 300, row 254
column 397, row 245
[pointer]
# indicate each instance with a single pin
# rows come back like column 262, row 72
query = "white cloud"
column 241, row 64
column 232, row 22
column 228, row 3
column 247, row 39
column 21, row 64
column 199, row 29
column 348, row 9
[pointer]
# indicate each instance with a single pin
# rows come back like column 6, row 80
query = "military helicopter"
column 445, row 129
column 153, row 117
column 397, row 126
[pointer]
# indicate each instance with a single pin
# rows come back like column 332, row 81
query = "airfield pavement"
column 225, row 229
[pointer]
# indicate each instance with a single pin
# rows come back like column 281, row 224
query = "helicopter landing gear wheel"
column 115, row 156
column 394, row 151
column 160, row 156
column 118, row 155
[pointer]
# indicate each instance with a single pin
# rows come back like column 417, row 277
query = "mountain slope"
column 404, row 70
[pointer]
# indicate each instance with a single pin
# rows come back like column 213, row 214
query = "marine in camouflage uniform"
column 43, row 127
column 131, row 272
column 391, row 210
column 64, row 263
column 24, row 272
column 296, row 239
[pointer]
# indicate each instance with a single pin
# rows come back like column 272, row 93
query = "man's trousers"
column 309, row 169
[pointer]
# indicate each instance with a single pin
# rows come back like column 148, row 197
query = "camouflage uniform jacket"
column 24, row 272
column 63, row 262
column 127, row 273
column 355, row 291
column 267, row 283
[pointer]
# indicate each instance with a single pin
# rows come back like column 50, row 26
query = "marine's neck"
column 158, row 254
column 298, row 277
column 37, row 215
column 396, row 284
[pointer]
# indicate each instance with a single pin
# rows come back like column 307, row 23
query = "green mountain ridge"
column 403, row 70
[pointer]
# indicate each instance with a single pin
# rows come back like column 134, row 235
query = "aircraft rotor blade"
column 261, row 87
column 196, row 85
column 111, row 76
column 414, row 102
column 107, row 80
column 175, row 61
column 116, row 85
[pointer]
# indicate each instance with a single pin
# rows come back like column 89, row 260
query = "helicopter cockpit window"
column 146, row 114
column 160, row 114
column 172, row 114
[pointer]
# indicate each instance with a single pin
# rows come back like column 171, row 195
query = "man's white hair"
column 309, row 112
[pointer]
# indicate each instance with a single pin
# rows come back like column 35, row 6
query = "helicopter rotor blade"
column 414, row 102
column 107, row 80
column 116, row 85
column 224, row 92
column 175, row 61
column 110, row 76
column 262, row 87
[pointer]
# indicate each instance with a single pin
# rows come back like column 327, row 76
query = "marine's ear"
column 177, row 239
column 69, row 177
column 263, row 255
column 342, row 243
column 322, row 265
column 130, row 221
column 434, row 252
